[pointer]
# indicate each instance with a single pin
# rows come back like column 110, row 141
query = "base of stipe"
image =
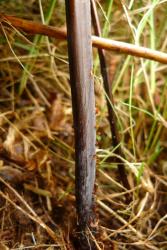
column 85, row 240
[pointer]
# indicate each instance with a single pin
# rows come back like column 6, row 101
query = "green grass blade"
column 130, row 109
column 34, row 50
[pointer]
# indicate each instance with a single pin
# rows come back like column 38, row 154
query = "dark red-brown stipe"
column 83, row 101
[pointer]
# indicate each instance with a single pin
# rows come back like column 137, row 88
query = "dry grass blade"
column 31, row 213
column 108, row 209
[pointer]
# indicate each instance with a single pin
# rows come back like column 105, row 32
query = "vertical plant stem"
column 109, row 100
column 152, row 45
column 130, row 110
column 106, row 25
column 83, row 102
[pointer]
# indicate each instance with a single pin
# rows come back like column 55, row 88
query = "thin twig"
column 103, row 43
column 110, row 99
